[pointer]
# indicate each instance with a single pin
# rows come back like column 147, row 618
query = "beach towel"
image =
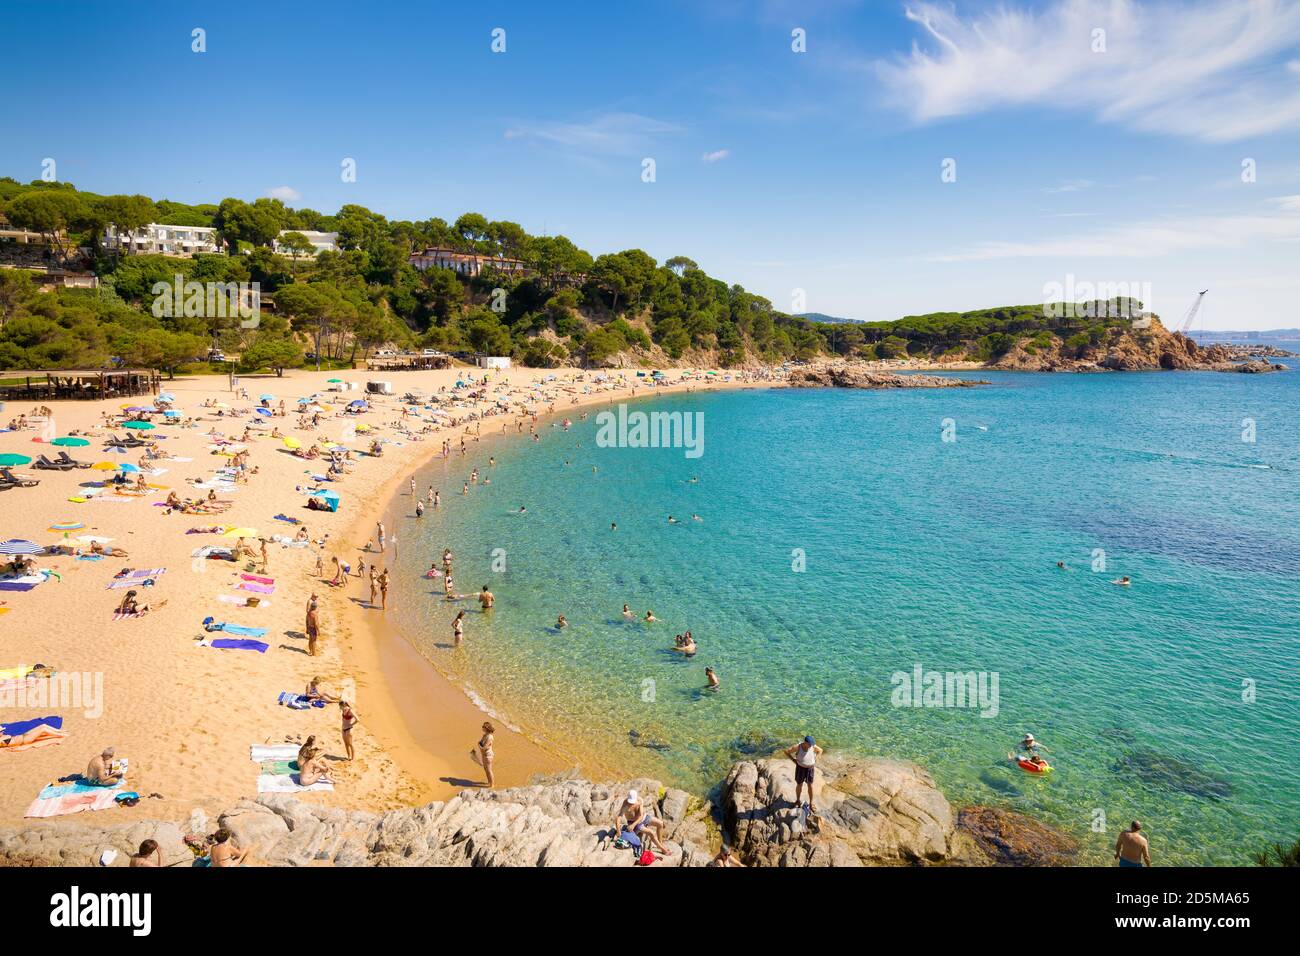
column 72, row 803
column 14, row 673
column 135, row 578
column 260, row 752
column 256, row 588
column 241, row 645
column 211, row 624
column 276, row 783
column 80, row 785
column 255, row 578
column 22, row 726
column 280, row 768
column 25, row 583
column 122, row 615
column 293, row 701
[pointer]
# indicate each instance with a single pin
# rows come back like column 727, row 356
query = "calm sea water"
column 917, row 552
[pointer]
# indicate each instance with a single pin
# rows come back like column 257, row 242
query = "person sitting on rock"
column 632, row 815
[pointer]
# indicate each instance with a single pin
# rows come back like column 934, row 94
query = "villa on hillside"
column 466, row 263
column 320, row 241
column 161, row 239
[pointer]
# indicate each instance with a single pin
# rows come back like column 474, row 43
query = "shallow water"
column 918, row 552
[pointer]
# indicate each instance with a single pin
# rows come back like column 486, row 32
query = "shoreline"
column 415, row 725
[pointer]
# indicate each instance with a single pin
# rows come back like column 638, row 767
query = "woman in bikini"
column 485, row 754
column 350, row 720
column 40, row 732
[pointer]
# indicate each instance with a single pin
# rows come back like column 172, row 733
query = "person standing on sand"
column 412, row 486
column 804, row 754
column 485, row 754
column 380, row 535
column 374, row 587
column 350, row 720
column 458, row 628
column 1132, row 849
column 383, row 589
column 312, row 627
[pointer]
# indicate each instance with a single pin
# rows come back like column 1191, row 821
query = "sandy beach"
column 184, row 713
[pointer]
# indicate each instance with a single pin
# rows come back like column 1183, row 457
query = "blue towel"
column 22, row 726
column 76, row 786
column 230, row 645
column 211, row 624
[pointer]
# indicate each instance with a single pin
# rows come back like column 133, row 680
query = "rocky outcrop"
column 1149, row 348
column 566, row 823
column 1013, row 839
column 870, row 812
column 857, row 376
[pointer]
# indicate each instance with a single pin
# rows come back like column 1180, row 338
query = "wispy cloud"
column 284, row 193
column 1150, row 238
column 608, row 134
column 716, row 156
column 1070, row 186
column 1214, row 70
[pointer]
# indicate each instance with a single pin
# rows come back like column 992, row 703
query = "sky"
column 911, row 157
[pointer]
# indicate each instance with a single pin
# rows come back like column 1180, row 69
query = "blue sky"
column 817, row 171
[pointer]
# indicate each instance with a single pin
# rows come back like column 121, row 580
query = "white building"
column 165, row 240
column 320, row 241
column 492, row 361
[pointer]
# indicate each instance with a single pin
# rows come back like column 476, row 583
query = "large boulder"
column 869, row 812
column 1013, row 839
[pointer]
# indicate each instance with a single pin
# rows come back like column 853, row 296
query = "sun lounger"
column 68, row 459
column 45, row 463
column 19, row 481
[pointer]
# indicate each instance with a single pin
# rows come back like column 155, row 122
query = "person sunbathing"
column 100, row 773
column 174, row 500
column 302, row 534
column 150, row 855
column 99, row 549
column 133, row 607
column 224, row 852
column 314, row 692
column 307, row 750
column 313, row 771
column 37, row 733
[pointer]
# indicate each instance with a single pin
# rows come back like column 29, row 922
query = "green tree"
column 271, row 351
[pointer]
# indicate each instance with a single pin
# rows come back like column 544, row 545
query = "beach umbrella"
column 9, row 458
column 292, row 443
column 126, row 466
column 66, row 527
column 363, row 427
column 166, row 397
column 334, row 381
column 304, row 401
column 268, row 397
column 241, row 533
column 172, row 413
column 20, row 546
column 357, row 403
column 144, row 426
column 104, row 466
column 262, row 411
column 70, row 441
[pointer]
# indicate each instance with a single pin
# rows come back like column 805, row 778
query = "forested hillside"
column 568, row 308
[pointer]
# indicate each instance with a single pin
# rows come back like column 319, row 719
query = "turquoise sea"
column 1175, row 700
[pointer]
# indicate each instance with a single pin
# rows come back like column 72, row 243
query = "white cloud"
column 609, row 134
column 284, row 193
column 1071, row 186
column 1214, row 70
column 1150, row 238
column 716, row 156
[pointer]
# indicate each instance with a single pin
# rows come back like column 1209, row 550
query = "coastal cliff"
column 1124, row 349
column 871, row 812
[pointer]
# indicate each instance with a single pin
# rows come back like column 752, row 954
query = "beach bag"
column 646, row 857
column 252, row 602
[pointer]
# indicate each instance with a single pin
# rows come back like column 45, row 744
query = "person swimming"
column 561, row 623
column 650, row 617
column 627, row 612
column 1123, row 582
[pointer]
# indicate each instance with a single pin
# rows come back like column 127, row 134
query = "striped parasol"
column 20, row 546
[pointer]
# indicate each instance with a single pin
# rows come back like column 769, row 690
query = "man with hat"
column 804, row 754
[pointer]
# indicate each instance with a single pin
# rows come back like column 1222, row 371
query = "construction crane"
column 1190, row 317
